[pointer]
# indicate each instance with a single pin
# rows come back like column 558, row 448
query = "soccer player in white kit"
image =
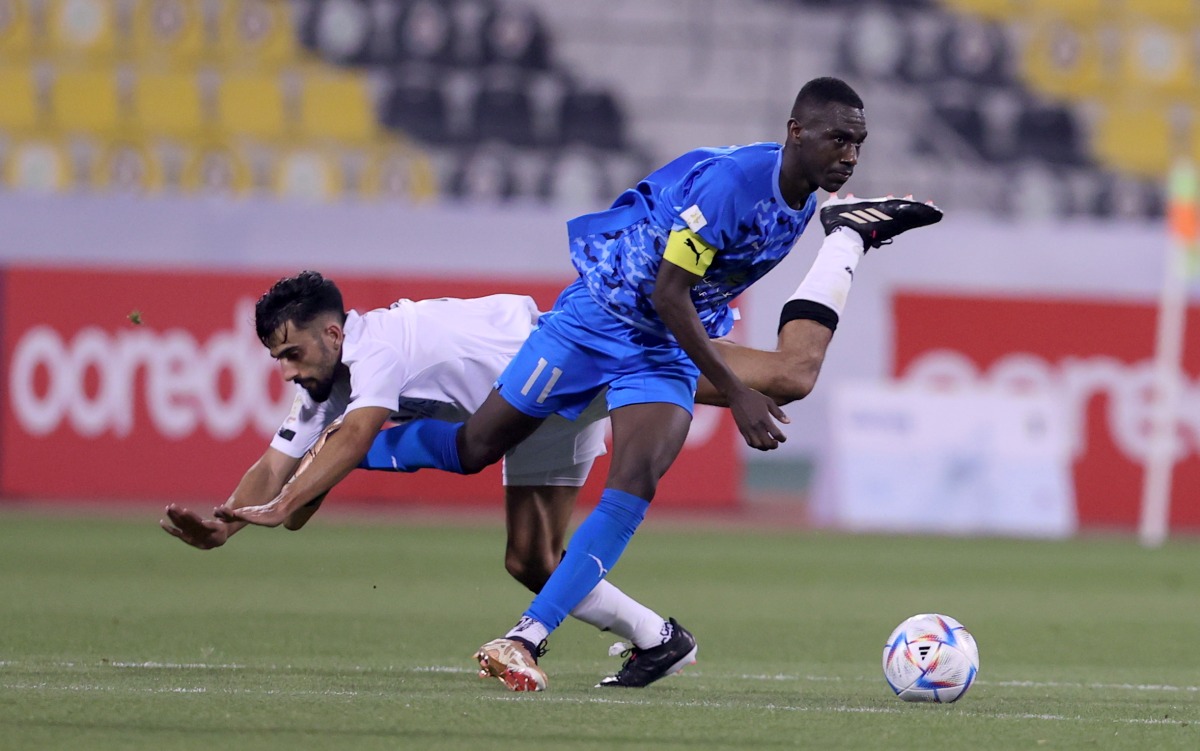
column 424, row 358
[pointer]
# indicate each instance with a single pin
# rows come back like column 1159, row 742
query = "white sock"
column 609, row 609
column 530, row 630
column 828, row 281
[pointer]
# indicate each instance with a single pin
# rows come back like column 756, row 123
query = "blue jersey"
column 729, row 197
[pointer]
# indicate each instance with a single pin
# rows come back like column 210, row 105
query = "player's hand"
column 755, row 414
column 267, row 515
column 195, row 530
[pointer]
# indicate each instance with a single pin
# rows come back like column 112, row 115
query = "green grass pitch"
column 357, row 635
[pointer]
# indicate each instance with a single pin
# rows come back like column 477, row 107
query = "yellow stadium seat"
column 1155, row 60
column 37, row 166
column 168, row 104
column 307, row 174
column 169, row 30
column 251, row 104
column 337, row 107
column 395, row 170
column 1138, row 140
column 257, row 31
column 1082, row 11
column 17, row 40
column 83, row 27
column 128, row 167
column 1174, row 12
column 1064, row 59
column 19, row 109
column 999, row 10
column 85, row 100
column 215, row 168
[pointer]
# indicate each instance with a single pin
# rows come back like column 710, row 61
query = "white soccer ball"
column 930, row 657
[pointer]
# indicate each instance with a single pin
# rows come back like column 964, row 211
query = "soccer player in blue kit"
column 641, row 328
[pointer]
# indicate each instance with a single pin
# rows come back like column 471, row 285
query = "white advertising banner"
column 967, row 461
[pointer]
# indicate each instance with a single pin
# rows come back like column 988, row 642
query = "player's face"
column 825, row 146
column 309, row 355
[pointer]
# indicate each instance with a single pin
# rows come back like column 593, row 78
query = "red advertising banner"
column 1096, row 355
column 176, row 407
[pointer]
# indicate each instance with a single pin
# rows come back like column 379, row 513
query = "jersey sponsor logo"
column 286, row 434
column 694, row 218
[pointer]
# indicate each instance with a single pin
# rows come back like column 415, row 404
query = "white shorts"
column 561, row 451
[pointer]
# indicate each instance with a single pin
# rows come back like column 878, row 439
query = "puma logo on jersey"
column 692, row 247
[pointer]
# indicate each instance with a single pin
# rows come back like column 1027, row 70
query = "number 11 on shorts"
column 537, row 372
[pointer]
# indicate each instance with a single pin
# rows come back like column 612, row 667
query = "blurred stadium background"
column 168, row 159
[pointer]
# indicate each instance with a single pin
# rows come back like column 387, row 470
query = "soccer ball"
column 930, row 657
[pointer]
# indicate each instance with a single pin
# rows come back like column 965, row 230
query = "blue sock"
column 417, row 444
column 593, row 550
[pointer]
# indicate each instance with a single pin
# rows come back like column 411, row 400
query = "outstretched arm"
column 343, row 451
column 785, row 374
column 261, row 482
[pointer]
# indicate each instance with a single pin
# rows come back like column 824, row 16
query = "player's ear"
column 795, row 131
column 334, row 333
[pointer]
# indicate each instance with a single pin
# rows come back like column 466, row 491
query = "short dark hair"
column 298, row 299
column 825, row 90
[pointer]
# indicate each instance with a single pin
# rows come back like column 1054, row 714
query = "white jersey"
column 440, row 358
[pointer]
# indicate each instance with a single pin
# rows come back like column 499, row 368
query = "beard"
column 319, row 389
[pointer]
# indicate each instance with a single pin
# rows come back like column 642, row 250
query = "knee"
column 641, row 481
column 532, row 571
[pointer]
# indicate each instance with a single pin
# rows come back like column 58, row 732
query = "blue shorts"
column 579, row 348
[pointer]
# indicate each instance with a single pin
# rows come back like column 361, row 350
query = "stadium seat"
column 1081, row 11
column 1156, row 60
column 337, row 106
column 168, row 31
column 17, row 40
column 19, row 111
column 307, row 174
column 1066, row 60
column 37, row 166
column 592, row 118
column 1135, row 140
column 965, row 119
column 1127, row 198
column 415, row 104
column 340, row 30
column 514, row 35
column 975, row 51
column 128, row 167
column 251, row 104
column 394, row 170
column 82, row 27
column 1178, row 14
column 256, row 32
column 85, row 101
column 576, row 180
column 484, row 175
column 214, row 168
column 503, row 110
column 424, row 32
column 167, row 104
column 876, row 43
column 470, row 19
column 1049, row 134
column 1000, row 10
